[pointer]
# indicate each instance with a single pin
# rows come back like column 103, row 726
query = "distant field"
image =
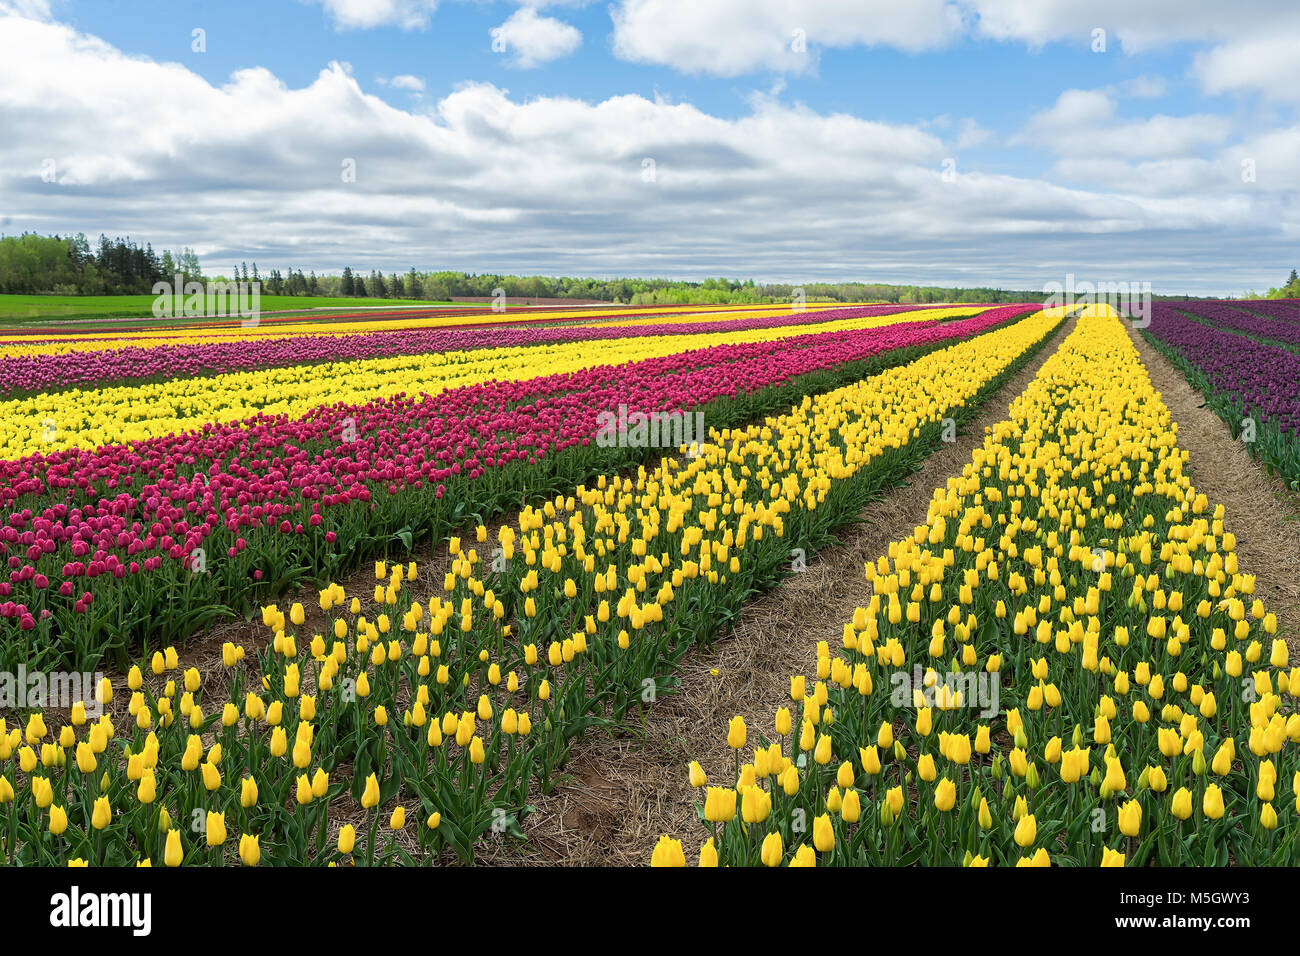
column 22, row 309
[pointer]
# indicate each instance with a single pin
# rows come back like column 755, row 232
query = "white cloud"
column 1076, row 108
column 479, row 181
column 32, row 9
column 970, row 133
column 403, row 81
column 731, row 37
column 1084, row 122
column 1268, row 63
column 1137, row 26
column 533, row 40
column 368, row 14
column 1253, row 40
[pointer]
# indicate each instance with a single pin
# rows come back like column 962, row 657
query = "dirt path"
column 624, row 790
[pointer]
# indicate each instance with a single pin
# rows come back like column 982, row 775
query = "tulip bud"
column 823, row 833
column 1130, row 818
column 370, row 796
column 1111, row 858
column 216, row 828
column 173, row 854
column 668, row 853
column 736, row 733
column 102, row 813
column 1212, row 805
column 347, row 838
column 249, row 850
column 886, row 814
column 945, row 795
column 1026, row 830
column 773, row 850
column 697, row 776
column 708, row 854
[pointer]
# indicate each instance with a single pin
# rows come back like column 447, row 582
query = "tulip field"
column 1247, row 363
column 1146, row 705
column 423, row 581
column 141, row 513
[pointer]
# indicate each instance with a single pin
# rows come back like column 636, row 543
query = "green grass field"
column 35, row 309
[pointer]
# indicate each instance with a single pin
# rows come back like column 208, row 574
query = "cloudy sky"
column 954, row 142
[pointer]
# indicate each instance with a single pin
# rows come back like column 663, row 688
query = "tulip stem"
column 374, row 832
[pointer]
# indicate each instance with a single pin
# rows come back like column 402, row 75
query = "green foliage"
column 52, row 265
column 1289, row 291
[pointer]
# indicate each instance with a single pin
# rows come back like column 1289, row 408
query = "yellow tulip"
column 250, row 851
column 945, row 795
column 1026, row 830
column 668, row 852
column 370, row 795
column 173, row 854
column 772, row 849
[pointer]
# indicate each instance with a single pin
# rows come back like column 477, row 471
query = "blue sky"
column 951, row 142
column 1001, row 83
column 298, row 39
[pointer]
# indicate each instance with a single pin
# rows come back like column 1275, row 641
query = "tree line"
column 69, row 266
column 35, row 264
column 446, row 285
